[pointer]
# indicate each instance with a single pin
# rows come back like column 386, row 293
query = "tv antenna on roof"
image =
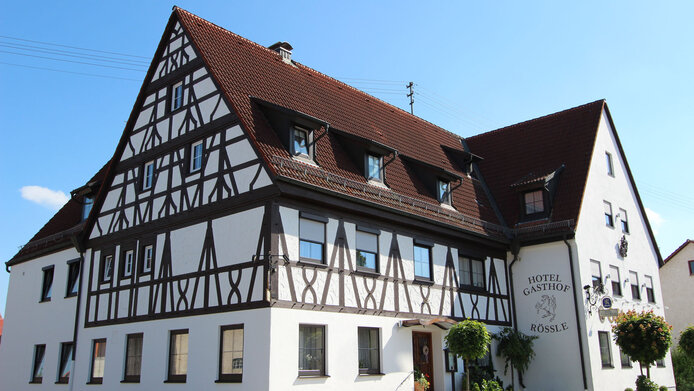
column 411, row 96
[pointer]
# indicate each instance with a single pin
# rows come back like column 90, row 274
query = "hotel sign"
column 551, row 292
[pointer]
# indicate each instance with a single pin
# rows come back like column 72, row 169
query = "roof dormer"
column 536, row 194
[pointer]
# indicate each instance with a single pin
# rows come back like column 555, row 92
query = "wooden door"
column 422, row 355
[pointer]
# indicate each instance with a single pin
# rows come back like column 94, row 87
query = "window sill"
column 371, row 374
column 175, row 381
column 607, row 366
column 130, row 381
column 228, row 381
column 36, row 382
column 367, row 272
column 307, row 262
column 468, row 288
column 95, row 381
column 422, row 281
column 62, row 382
column 305, row 159
column 71, row 295
column 45, row 300
column 313, row 376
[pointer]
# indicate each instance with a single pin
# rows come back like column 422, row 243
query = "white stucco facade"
column 678, row 289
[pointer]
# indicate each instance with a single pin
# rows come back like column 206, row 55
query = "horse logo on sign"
column 547, row 307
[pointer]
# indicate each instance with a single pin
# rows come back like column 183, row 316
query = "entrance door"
column 422, row 355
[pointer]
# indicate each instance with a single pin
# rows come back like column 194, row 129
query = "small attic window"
column 87, row 206
column 300, row 143
column 443, row 191
column 176, row 96
column 374, row 168
column 534, row 202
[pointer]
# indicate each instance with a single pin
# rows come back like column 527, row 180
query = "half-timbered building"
column 264, row 226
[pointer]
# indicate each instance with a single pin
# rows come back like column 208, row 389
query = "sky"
column 70, row 73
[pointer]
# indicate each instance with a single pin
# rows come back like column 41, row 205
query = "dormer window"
column 87, row 207
column 177, row 96
column 374, row 168
column 300, row 142
column 534, row 202
column 444, row 191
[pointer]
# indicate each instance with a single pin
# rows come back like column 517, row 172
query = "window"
column 444, row 191
column 47, row 284
column 608, row 214
column 300, row 142
column 98, row 358
column 660, row 363
column 65, row 363
column 87, row 207
column 37, row 368
column 106, row 268
column 231, row 353
column 178, row 356
column 133, row 358
column 626, row 361
column 369, row 350
column 374, row 168
column 147, row 259
column 177, row 96
column 691, row 267
column 311, row 350
column 649, row 289
column 196, row 156
column 471, row 272
column 148, row 175
column 534, row 202
column 605, row 352
column 73, row 278
column 367, row 249
column 311, row 240
column 634, row 281
column 127, row 268
column 623, row 220
column 608, row 160
column 596, row 274
column 615, row 281
column 422, row 261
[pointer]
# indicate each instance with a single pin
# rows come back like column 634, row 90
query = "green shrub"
column 645, row 384
column 468, row 340
column 662, row 388
column 686, row 343
column 683, row 366
column 628, row 389
column 643, row 336
column 487, row 386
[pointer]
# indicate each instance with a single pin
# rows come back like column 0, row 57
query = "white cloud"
column 655, row 219
column 52, row 199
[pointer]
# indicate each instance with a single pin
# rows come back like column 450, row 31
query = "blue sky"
column 476, row 67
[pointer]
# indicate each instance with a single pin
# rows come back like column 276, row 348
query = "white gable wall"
column 596, row 241
column 678, row 291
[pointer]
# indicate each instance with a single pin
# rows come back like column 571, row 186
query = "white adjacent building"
column 677, row 276
column 263, row 226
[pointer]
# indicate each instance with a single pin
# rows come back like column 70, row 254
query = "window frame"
column 367, row 166
column 176, row 101
column 48, row 276
column 609, row 163
column 144, row 246
column 123, row 263
column 371, row 370
column 92, row 366
column 615, row 281
column 660, row 363
column 470, row 272
column 691, row 267
column 650, row 292
column 38, row 364
column 607, row 347
column 309, row 145
column 609, row 218
column 595, row 280
column 625, row 360
column 147, row 177
column 132, row 378
column 445, row 196
column 73, row 278
column 429, row 247
column 192, row 157
column 635, row 288
column 171, row 377
column 525, row 203
column 321, row 372
column 358, row 251
column 319, row 220
column 87, row 205
column 230, row 377
column 64, row 361
column 106, row 275
column 624, row 221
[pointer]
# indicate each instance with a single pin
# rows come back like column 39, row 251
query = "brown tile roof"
column 247, row 71
column 530, row 150
column 58, row 230
column 680, row 248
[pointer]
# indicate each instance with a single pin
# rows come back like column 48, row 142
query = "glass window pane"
column 366, row 259
column 478, row 273
column 300, row 142
column 465, row 271
column 421, row 262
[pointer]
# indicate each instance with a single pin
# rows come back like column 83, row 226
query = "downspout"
column 515, row 249
column 578, row 320
column 75, row 329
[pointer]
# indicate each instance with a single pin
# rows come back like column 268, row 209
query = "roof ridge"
column 310, row 69
column 541, row 118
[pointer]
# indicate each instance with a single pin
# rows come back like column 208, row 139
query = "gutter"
column 77, row 319
column 515, row 249
column 578, row 321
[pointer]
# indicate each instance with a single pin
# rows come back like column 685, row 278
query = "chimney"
column 284, row 49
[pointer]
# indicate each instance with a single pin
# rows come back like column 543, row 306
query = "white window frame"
column 147, row 258
column 196, row 160
column 310, row 238
column 624, row 221
column 177, row 96
column 609, row 216
column 307, row 138
column 148, row 175
column 595, row 266
column 609, row 163
column 379, row 160
column 128, row 262
column 107, row 268
column 443, row 191
column 615, row 280
column 361, row 248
